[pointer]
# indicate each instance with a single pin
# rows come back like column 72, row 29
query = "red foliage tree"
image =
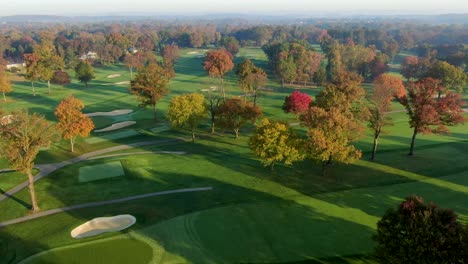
column 410, row 67
column 170, row 54
column 217, row 63
column 296, row 103
column 61, row 78
column 427, row 114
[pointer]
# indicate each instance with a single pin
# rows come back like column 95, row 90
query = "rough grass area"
column 115, row 251
column 101, row 171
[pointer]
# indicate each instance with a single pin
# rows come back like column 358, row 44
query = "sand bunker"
column 5, row 120
column 113, row 76
column 111, row 113
column 192, row 52
column 102, row 225
column 125, row 82
column 116, row 126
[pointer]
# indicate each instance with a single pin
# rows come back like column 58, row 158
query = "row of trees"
column 339, row 115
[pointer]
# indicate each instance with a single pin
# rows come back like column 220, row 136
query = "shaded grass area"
column 100, row 172
column 122, row 250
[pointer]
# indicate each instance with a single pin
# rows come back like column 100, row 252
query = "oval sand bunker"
column 102, row 225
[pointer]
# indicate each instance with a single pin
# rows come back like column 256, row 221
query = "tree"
column 275, row 142
column 150, row 84
column 231, row 44
column 218, row 63
column 187, row 110
column 410, row 68
column 335, row 64
column 48, row 62
column 134, row 61
column 213, row 101
column 386, row 87
column 235, row 113
column 243, row 70
column 20, row 143
column 71, row 121
column 5, row 84
column 335, row 119
column 84, row 72
column 296, row 103
column 427, row 114
column 32, row 69
column 419, row 233
column 61, row 78
column 451, row 77
column 196, row 39
column 255, row 82
column 170, row 54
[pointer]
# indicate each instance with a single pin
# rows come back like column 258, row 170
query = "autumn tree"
column 231, row 44
column 84, row 72
column 187, row 111
column 235, row 113
column 213, row 101
column 334, row 120
column 386, row 87
column 251, row 79
column 275, row 142
column 71, row 121
column 134, row 61
column 5, row 84
column 218, row 63
column 243, row 70
column 335, row 63
column 411, row 68
column 61, row 78
column 296, row 103
column 20, row 143
column 48, row 61
column 151, row 83
column 196, row 39
column 170, row 54
column 416, row 232
column 427, row 114
column 451, row 77
column 32, row 69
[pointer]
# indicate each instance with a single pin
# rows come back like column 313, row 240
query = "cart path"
column 94, row 204
column 46, row 169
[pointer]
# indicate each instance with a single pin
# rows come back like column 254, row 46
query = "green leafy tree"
column 48, row 62
column 20, row 143
column 420, row 233
column 187, row 111
column 84, row 72
column 451, row 77
column 151, row 83
column 275, row 142
column 32, row 69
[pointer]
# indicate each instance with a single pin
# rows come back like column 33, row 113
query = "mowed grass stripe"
column 101, row 171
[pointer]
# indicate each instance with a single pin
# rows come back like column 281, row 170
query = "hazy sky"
column 95, row 7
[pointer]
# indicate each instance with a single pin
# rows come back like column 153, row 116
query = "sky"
column 105, row 7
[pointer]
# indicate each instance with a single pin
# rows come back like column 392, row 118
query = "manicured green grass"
column 122, row 250
column 252, row 214
column 100, row 171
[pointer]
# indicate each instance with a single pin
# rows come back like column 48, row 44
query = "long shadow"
column 19, row 201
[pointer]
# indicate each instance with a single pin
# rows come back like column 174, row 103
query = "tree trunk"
column 272, row 166
column 48, row 86
column 4, row 98
column 237, row 133
column 411, row 152
column 72, row 143
column 255, row 98
column 374, row 148
column 35, row 207
column 439, row 94
column 193, row 136
column 131, row 73
column 155, row 114
column 222, row 87
column 34, row 89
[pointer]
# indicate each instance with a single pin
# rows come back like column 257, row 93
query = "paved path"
column 46, row 169
column 94, row 204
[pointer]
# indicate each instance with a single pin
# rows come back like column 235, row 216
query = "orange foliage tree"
column 235, row 113
column 427, row 114
column 386, row 87
column 217, row 64
column 71, row 121
column 5, row 84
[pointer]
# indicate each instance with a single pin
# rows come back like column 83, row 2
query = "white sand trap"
column 102, row 225
column 5, row 120
column 116, row 126
column 125, row 82
column 111, row 113
column 113, row 76
column 466, row 110
column 192, row 52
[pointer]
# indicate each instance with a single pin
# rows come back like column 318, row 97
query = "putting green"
column 101, row 171
column 120, row 250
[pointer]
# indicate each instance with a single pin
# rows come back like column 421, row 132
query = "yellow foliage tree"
column 71, row 121
column 186, row 111
column 275, row 142
column 5, row 85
